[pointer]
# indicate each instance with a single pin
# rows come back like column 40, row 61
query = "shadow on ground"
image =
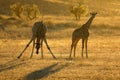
column 47, row 71
column 11, row 64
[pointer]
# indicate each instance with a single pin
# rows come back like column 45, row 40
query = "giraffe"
column 82, row 33
column 39, row 35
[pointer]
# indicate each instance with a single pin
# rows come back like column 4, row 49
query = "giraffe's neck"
column 88, row 23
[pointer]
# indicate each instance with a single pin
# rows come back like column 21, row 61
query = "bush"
column 79, row 10
column 16, row 9
column 29, row 11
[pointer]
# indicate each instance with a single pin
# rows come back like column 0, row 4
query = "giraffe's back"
column 39, row 29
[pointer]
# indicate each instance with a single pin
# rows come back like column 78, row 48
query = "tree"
column 32, row 11
column 79, row 10
column 29, row 11
column 17, row 9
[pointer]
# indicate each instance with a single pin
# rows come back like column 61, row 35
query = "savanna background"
column 103, row 45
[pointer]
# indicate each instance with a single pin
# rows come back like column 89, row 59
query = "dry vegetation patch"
column 103, row 45
column 103, row 61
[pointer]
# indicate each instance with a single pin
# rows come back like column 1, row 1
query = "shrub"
column 27, row 10
column 79, row 10
column 17, row 9
column 31, row 11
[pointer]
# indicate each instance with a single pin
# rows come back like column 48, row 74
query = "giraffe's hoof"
column 54, row 57
column 18, row 57
column 37, row 52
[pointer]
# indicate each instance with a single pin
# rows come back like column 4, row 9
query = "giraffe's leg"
column 75, row 47
column 48, row 47
column 33, row 37
column 82, row 47
column 86, row 47
column 72, row 45
column 33, row 48
column 42, row 48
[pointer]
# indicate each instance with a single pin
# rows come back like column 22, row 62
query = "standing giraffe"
column 39, row 34
column 82, row 33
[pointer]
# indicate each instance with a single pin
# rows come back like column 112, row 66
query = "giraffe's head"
column 93, row 14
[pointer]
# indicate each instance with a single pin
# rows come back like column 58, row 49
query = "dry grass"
column 102, row 64
column 103, row 46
